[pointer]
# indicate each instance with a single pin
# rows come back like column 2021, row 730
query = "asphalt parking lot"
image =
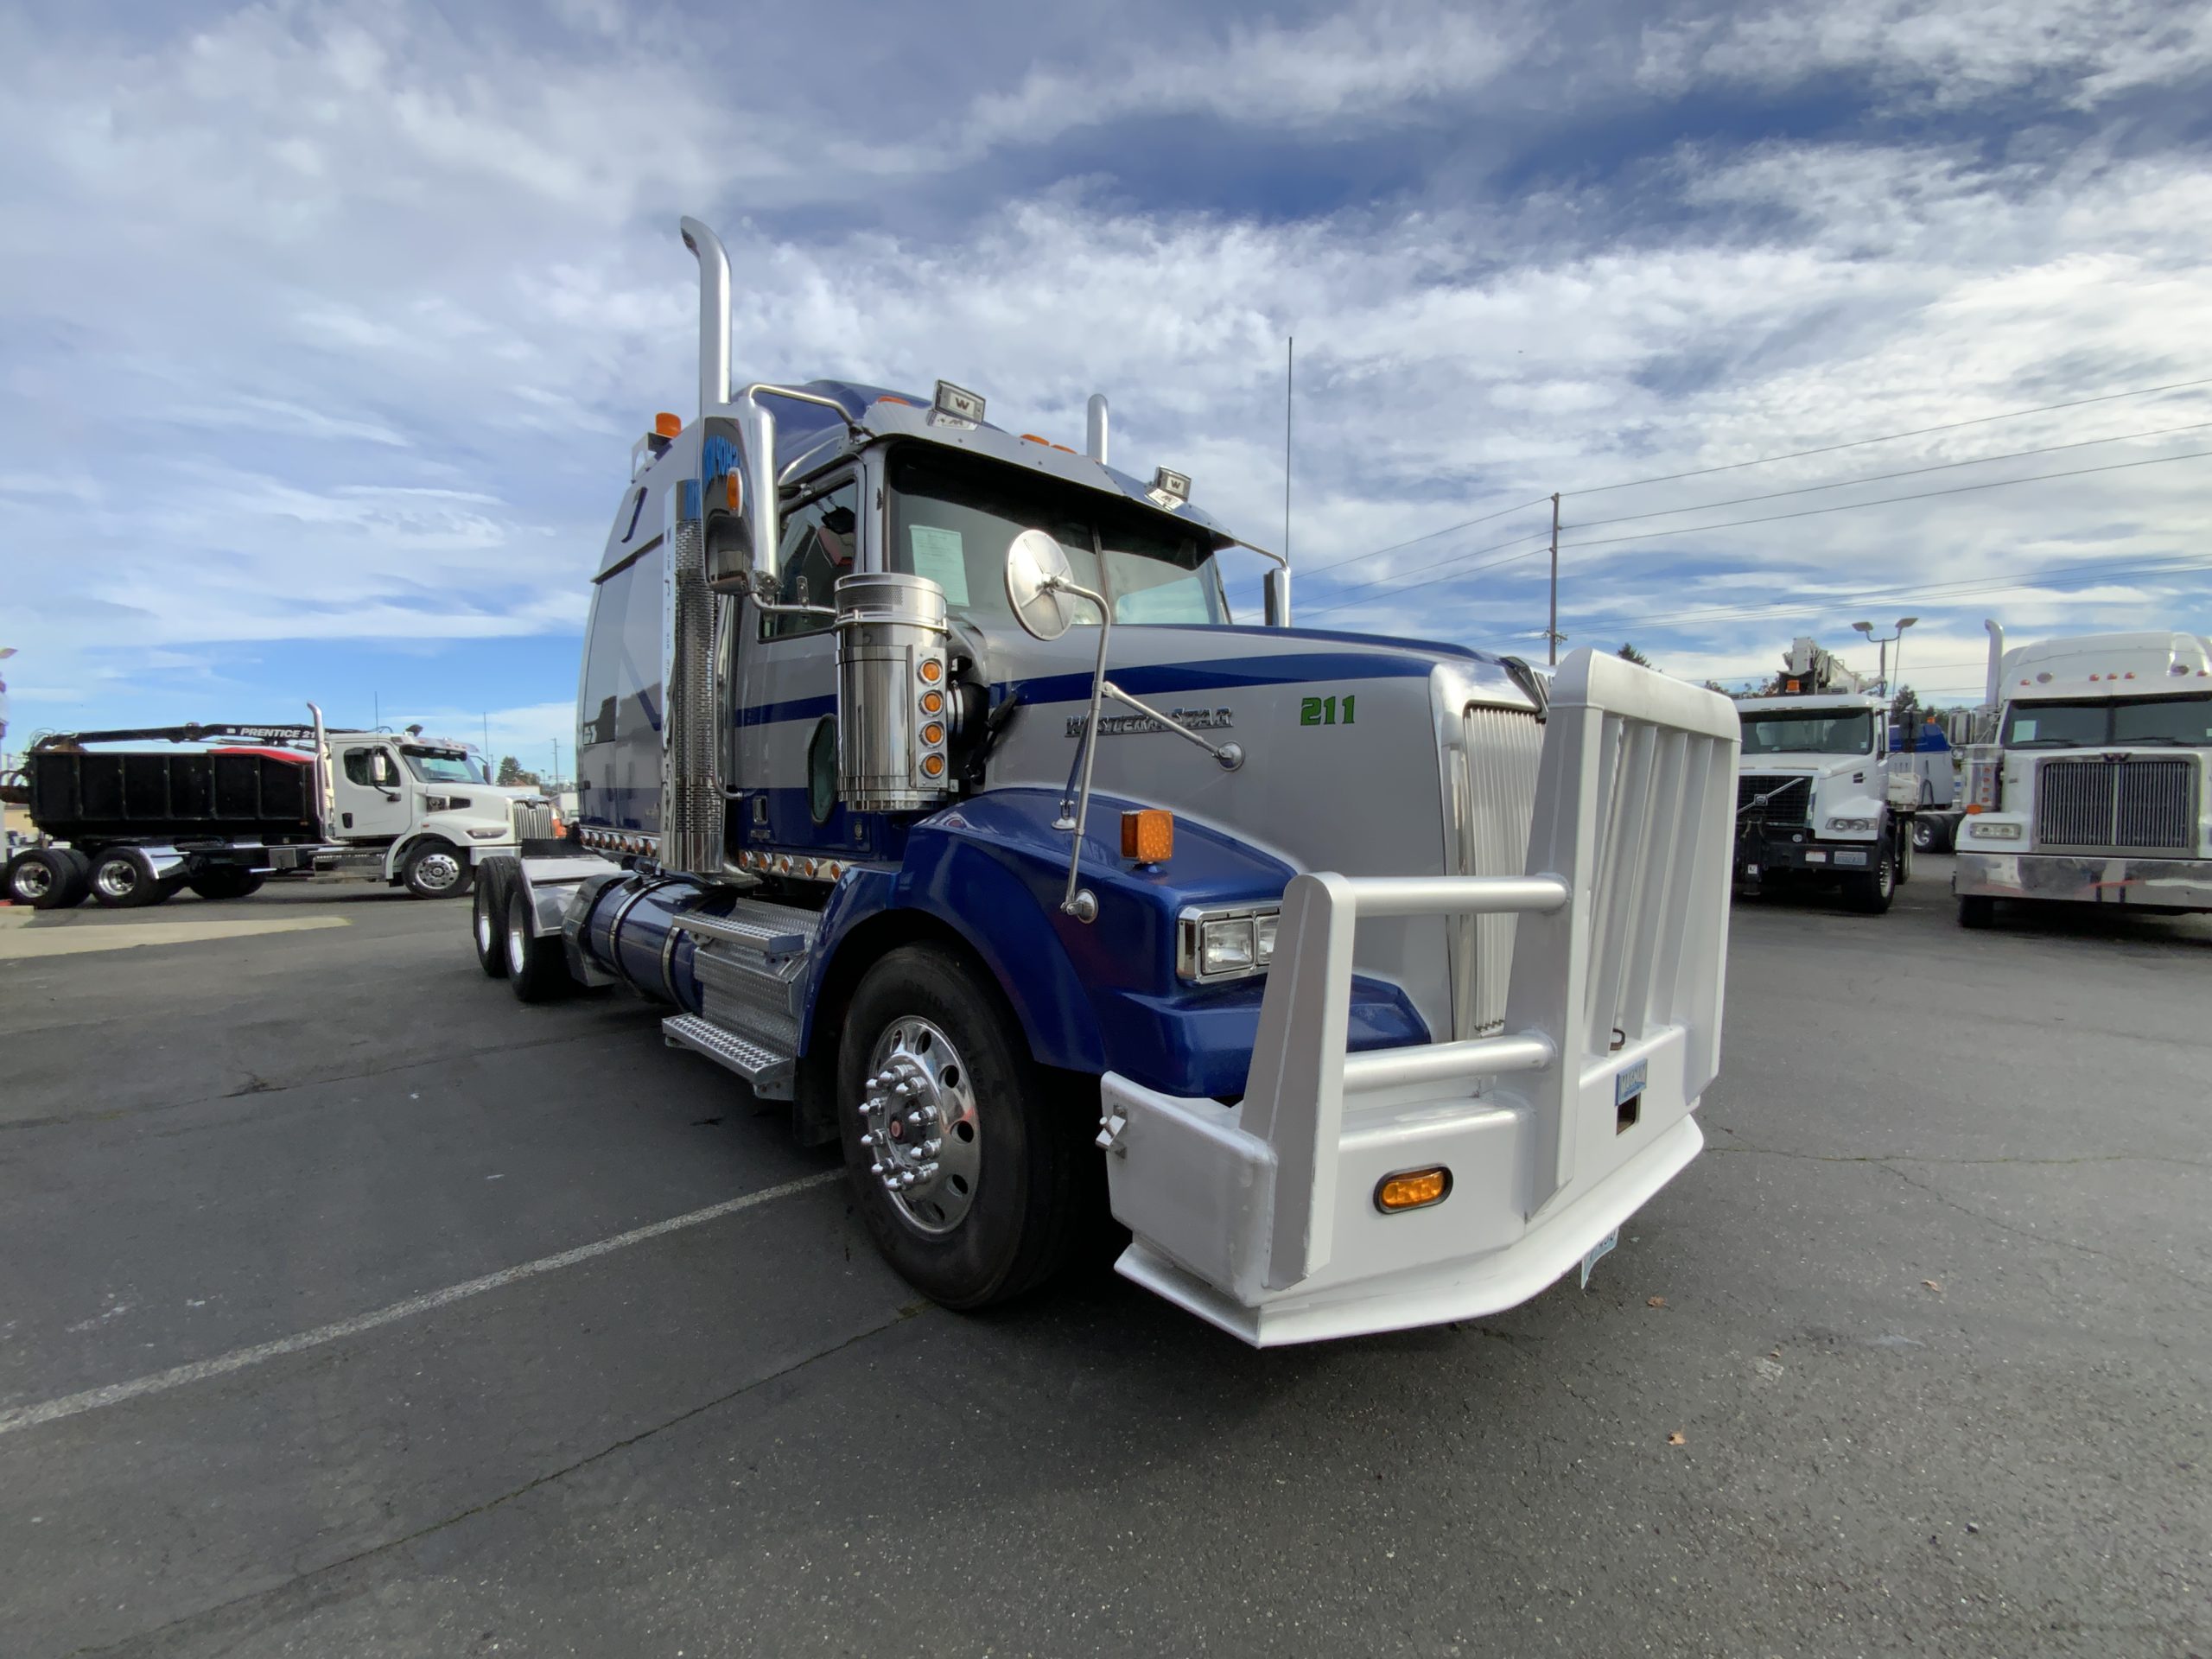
column 327, row 1326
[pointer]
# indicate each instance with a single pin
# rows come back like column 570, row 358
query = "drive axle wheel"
column 965, row 1162
column 495, row 881
column 123, row 880
column 538, row 969
column 1869, row 895
column 47, row 878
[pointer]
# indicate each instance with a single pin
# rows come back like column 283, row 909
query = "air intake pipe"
column 1993, row 690
column 713, row 313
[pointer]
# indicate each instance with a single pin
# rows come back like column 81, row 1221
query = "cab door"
column 783, row 782
column 368, row 791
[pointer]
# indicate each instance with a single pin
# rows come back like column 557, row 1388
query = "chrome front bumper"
column 2086, row 879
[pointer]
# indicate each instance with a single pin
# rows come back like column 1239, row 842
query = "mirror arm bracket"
column 1231, row 755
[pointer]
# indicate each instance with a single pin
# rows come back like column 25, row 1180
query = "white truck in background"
column 2090, row 783
column 1817, row 799
column 129, row 826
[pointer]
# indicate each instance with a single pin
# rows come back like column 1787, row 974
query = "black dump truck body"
column 129, row 826
column 252, row 794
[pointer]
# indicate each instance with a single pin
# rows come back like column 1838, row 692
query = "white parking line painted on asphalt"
column 49, row 940
column 237, row 1359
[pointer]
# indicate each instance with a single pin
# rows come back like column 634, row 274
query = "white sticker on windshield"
column 938, row 555
column 2023, row 731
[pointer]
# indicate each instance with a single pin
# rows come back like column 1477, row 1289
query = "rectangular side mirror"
column 1278, row 597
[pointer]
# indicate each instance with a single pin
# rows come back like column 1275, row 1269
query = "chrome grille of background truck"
column 2125, row 806
column 533, row 820
column 1493, row 798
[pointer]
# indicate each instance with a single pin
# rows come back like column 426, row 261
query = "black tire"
column 123, row 880
column 1905, row 860
column 487, row 923
column 538, row 970
column 435, row 869
column 220, row 882
column 1869, row 895
column 1012, row 1227
column 1976, row 910
column 46, row 878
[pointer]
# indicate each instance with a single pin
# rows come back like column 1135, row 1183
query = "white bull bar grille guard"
column 1262, row 1216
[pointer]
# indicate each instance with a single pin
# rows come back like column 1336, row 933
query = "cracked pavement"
column 1931, row 1322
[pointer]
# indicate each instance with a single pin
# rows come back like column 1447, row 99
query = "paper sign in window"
column 938, row 555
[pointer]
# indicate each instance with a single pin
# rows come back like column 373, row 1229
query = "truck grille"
column 1493, row 799
column 1787, row 809
column 533, row 820
column 2123, row 806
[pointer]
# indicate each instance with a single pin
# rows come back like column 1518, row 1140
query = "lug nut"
column 930, row 1148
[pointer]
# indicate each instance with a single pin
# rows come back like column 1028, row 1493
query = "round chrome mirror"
column 1034, row 562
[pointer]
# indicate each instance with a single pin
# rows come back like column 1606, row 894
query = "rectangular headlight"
column 1852, row 826
column 1226, row 947
column 1264, row 939
column 1983, row 829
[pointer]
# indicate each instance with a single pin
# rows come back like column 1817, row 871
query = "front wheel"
column 966, row 1167
column 436, row 870
column 1869, row 895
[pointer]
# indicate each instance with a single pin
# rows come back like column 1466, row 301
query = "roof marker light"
column 1174, row 485
column 957, row 404
column 667, row 425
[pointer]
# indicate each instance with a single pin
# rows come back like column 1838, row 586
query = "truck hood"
column 1356, row 754
column 1807, row 766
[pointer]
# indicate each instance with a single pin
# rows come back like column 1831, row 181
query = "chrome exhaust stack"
column 1094, row 441
column 1993, row 688
column 713, row 313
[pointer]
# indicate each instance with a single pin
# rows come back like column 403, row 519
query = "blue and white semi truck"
column 928, row 781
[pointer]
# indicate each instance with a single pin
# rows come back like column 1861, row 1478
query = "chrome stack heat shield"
column 691, row 790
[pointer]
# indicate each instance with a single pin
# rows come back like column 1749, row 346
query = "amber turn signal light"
column 1412, row 1189
column 1148, row 834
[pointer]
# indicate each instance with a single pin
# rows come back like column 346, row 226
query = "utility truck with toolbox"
column 2092, row 781
column 927, row 780
column 1818, row 799
column 133, row 826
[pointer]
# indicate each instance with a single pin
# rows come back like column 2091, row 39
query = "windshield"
column 442, row 766
column 2185, row 722
column 951, row 520
column 1810, row 731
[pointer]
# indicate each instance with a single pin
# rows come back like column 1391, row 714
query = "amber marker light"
column 1412, row 1189
column 667, row 425
column 932, row 733
column 933, row 765
column 1148, row 834
column 932, row 702
column 931, row 669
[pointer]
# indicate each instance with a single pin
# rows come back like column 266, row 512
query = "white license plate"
column 1854, row 857
column 1812, row 857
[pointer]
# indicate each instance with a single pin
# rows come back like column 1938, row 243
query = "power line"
column 1428, row 536
column 1889, row 500
column 1940, row 592
column 1510, row 558
column 1909, row 472
column 1449, row 558
column 1893, row 438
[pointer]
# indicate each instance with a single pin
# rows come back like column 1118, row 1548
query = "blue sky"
column 325, row 331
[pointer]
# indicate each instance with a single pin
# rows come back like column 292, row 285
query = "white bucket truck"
column 2091, row 785
column 927, row 779
column 1817, row 797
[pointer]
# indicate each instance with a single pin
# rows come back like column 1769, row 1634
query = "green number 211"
column 1322, row 711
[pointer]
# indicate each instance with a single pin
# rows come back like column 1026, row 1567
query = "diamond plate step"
column 773, row 929
column 768, row 1072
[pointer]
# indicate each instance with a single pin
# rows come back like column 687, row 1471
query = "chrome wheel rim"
column 485, row 939
column 33, row 880
column 118, row 878
column 437, row 872
column 919, row 1123
column 517, row 941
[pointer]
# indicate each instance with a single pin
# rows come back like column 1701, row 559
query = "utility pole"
column 554, row 781
column 1289, row 378
column 1551, row 635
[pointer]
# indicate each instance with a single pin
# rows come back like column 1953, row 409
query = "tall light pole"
column 554, row 782
column 1886, row 642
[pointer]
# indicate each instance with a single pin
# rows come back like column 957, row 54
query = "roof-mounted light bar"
column 957, row 404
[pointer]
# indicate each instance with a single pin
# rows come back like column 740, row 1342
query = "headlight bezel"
column 1207, row 940
column 1982, row 827
column 1854, row 826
